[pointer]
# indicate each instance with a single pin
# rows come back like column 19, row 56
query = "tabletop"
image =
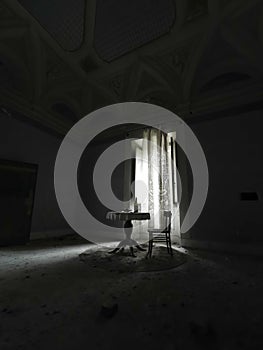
column 125, row 216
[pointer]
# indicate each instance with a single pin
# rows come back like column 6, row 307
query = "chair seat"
column 157, row 230
column 160, row 239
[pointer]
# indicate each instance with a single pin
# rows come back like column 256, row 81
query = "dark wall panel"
column 234, row 150
column 24, row 143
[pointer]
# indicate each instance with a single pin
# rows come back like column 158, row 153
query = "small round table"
column 128, row 226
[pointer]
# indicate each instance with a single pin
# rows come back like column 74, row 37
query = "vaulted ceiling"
column 61, row 59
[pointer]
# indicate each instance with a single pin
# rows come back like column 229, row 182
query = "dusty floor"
column 52, row 300
column 124, row 262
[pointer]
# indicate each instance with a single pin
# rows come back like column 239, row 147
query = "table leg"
column 128, row 241
column 128, row 227
column 120, row 246
column 114, row 251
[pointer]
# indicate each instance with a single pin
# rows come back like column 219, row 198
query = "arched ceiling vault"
column 182, row 69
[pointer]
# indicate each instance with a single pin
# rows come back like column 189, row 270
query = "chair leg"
column 170, row 245
column 149, row 253
column 151, row 247
column 167, row 245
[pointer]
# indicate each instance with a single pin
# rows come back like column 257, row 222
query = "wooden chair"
column 161, row 235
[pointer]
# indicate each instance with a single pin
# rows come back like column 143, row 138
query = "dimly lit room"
column 131, row 174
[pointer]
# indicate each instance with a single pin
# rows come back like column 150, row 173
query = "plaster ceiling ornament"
column 116, row 85
column 172, row 62
column 5, row 13
column 196, row 8
column 177, row 58
column 56, row 69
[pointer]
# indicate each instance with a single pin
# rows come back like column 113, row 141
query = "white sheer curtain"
column 155, row 179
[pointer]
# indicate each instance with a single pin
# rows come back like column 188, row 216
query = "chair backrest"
column 167, row 219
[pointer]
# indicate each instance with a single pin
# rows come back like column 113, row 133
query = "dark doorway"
column 17, row 190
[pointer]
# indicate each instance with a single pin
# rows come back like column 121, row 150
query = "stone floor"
column 50, row 299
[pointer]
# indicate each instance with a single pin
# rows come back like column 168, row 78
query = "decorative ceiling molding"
column 166, row 70
column 248, row 46
column 177, row 59
column 6, row 13
column 249, row 94
column 160, row 77
column 196, row 8
column 18, row 71
column 236, row 8
column 116, row 84
column 34, row 114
